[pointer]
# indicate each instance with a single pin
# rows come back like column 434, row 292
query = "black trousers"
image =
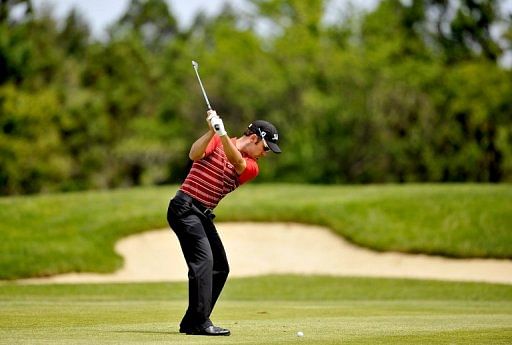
column 206, row 259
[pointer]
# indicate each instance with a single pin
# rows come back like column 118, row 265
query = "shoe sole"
column 209, row 334
column 188, row 332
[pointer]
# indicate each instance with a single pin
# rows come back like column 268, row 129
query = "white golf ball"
column 300, row 334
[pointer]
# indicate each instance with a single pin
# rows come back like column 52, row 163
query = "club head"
column 195, row 64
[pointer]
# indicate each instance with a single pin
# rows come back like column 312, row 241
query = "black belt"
column 208, row 212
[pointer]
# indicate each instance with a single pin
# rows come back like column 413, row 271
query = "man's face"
column 258, row 147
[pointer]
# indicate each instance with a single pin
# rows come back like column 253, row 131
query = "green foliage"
column 150, row 20
column 30, row 161
column 412, row 91
column 76, row 232
column 74, row 36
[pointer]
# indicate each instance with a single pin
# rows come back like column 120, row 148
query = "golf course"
column 256, row 172
column 50, row 234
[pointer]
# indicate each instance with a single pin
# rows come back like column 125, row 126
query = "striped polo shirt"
column 211, row 178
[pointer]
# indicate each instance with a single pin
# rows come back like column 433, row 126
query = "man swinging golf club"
column 220, row 165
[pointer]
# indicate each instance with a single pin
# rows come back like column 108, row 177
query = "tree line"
column 411, row 91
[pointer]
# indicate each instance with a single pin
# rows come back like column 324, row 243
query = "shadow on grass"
column 146, row 332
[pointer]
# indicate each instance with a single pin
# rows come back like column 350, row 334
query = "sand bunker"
column 276, row 248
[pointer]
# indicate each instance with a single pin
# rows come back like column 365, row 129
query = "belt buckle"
column 209, row 213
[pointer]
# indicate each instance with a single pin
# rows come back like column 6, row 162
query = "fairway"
column 268, row 310
column 277, row 322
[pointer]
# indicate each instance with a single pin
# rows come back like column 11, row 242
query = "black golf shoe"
column 210, row 330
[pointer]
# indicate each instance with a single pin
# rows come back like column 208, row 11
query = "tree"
column 7, row 7
column 32, row 155
column 409, row 91
column 74, row 36
column 151, row 20
column 462, row 29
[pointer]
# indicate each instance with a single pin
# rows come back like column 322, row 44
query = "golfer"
column 221, row 164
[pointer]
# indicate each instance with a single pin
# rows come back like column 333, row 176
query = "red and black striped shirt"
column 211, row 178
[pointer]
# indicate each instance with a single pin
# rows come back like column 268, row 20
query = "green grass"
column 452, row 220
column 75, row 232
column 49, row 234
column 266, row 310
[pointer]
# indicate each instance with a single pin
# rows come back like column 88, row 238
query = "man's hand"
column 218, row 126
column 211, row 114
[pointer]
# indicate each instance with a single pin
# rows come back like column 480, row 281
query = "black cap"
column 267, row 131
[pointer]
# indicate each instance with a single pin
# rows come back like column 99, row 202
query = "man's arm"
column 233, row 155
column 199, row 146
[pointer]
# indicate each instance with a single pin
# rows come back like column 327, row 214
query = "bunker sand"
column 283, row 248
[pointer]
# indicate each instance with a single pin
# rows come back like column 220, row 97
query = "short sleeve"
column 212, row 145
column 250, row 172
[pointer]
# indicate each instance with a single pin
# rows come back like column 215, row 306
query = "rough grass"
column 452, row 220
column 75, row 232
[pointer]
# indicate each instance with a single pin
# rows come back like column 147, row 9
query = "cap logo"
column 275, row 137
column 262, row 133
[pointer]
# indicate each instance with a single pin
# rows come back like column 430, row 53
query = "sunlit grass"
column 265, row 310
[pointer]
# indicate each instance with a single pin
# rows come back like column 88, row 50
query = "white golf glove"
column 211, row 114
column 218, row 126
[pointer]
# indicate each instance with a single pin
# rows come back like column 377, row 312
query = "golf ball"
column 300, row 334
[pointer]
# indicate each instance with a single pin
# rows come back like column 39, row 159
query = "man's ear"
column 254, row 138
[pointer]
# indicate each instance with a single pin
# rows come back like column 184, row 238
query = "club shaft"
column 202, row 88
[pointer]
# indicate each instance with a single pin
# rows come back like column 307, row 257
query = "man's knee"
column 221, row 269
column 201, row 268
